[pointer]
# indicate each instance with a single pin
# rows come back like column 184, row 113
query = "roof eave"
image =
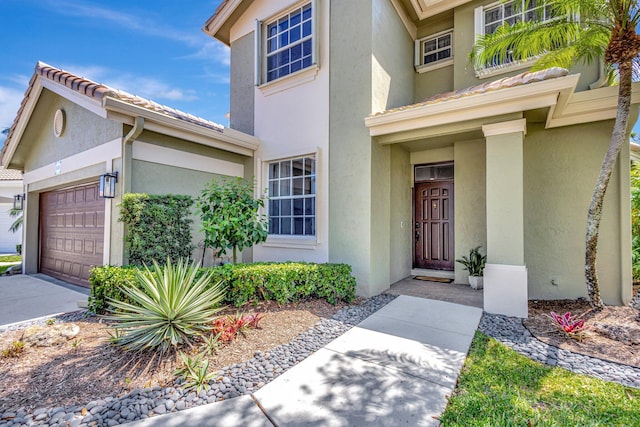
column 20, row 122
column 215, row 23
column 226, row 139
column 504, row 101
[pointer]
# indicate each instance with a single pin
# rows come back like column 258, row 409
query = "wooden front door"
column 433, row 227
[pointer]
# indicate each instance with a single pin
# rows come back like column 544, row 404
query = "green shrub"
column 169, row 307
column 281, row 282
column 158, row 227
column 286, row 282
column 107, row 283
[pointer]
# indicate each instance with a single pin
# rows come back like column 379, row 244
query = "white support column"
column 505, row 276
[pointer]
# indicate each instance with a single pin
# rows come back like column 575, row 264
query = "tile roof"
column 507, row 82
column 218, row 10
column 10, row 174
column 98, row 92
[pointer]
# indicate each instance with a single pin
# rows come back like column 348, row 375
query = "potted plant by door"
column 474, row 264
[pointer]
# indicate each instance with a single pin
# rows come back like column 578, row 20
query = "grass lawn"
column 499, row 387
column 4, row 268
column 10, row 258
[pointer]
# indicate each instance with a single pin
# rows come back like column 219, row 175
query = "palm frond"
column 580, row 33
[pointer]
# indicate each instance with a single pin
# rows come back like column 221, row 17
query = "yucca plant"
column 169, row 307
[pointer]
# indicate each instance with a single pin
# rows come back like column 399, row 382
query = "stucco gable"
column 119, row 106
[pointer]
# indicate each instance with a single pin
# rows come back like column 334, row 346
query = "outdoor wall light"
column 18, row 202
column 108, row 185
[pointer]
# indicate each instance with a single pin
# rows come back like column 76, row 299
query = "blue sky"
column 154, row 49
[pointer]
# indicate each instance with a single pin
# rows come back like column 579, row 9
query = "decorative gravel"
column 232, row 381
column 511, row 332
column 249, row 376
column 72, row 316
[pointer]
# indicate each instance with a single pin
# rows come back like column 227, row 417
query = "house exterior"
column 69, row 131
column 383, row 148
column 10, row 185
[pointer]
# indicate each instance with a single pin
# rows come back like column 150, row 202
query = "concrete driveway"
column 25, row 297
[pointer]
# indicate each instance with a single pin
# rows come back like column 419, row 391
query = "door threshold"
column 433, row 273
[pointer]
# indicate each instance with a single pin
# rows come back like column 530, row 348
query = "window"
column 434, row 49
column 288, row 43
column 292, row 197
column 434, row 172
column 514, row 11
column 490, row 18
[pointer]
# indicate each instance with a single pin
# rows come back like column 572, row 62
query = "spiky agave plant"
column 169, row 307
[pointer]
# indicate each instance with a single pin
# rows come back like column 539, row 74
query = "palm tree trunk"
column 618, row 137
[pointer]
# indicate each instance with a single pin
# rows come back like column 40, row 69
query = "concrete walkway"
column 397, row 367
column 25, row 297
column 451, row 292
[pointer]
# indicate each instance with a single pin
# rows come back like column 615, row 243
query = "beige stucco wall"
column 470, row 200
column 504, row 200
column 438, row 80
column 401, row 227
column 372, row 61
column 83, row 130
column 561, row 167
column 349, row 154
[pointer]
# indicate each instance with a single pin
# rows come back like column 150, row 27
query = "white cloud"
column 10, row 99
column 21, row 80
column 147, row 26
column 150, row 88
column 146, row 87
column 213, row 50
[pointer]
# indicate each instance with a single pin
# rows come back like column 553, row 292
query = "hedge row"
column 158, row 226
column 281, row 282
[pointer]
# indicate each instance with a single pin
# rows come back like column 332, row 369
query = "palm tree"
column 583, row 31
column 17, row 214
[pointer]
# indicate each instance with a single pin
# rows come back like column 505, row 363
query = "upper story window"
column 511, row 12
column 489, row 18
column 292, row 197
column 286, row 45
column 434, row 50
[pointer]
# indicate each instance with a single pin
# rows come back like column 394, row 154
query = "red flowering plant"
column 569, row 325
column 228, row 327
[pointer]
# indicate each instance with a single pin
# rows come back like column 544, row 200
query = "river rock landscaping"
column 244, row 376
column 287, row 336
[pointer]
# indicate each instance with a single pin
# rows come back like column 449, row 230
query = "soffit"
column 226, row 15
column 423, row 9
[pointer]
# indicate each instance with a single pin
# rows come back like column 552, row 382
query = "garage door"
column 71, row 232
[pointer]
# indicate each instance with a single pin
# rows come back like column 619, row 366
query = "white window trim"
column 298, row 77
column 487, row 72
column 291, row 241
column 418, row 55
